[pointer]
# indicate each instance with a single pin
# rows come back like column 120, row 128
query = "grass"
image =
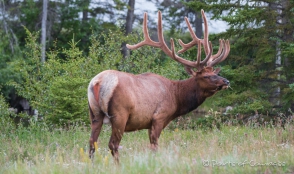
column 233, row 149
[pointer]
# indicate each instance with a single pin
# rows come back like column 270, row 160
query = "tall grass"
column 43, row 149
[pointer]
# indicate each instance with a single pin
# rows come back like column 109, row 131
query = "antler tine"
column 200, row 63
column 206, row 34
column 224, row 48
column 199, row 53
column 161, row 42
column 195, row 40
column 179, row 59
column 147, row 40
column 223, row 55
column 209, row 60
column 219, row 50
column 227, row 44
column 208, row 56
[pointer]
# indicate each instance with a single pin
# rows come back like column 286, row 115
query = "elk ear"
column 217, row 70
column 190, row 71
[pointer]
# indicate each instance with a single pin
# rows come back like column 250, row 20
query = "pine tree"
column 261, row 34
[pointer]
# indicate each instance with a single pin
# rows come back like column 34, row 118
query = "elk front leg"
column 154, row 134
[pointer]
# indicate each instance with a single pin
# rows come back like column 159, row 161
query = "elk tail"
column 93, row 100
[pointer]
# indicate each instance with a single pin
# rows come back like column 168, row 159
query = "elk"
column 149, row 101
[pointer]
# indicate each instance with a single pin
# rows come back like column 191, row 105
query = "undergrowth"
column 41, row 148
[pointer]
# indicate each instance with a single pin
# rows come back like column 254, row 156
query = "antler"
column 222, row 53
column 209, row 60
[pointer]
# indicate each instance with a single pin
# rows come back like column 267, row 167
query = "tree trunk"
column 275, row 93
column 129, row 25
column 43, row 37
column 85, row 18
column 198, row 25
column 5, row 25
column 287, row 37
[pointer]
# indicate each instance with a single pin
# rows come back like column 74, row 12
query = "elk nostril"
column 226, row 81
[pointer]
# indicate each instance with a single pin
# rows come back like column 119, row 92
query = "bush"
column 4, row 109
column 5, row 116
column 211, row 120
column 58, row 88
column 288, row 98
column 244, row 95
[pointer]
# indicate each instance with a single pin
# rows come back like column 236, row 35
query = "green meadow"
column 40, row 148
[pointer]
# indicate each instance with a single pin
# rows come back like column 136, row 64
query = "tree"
column 44, row 22
column 61, row 23
column 9, row 49
column 261, row 33
column 129, row 24
column 175, row 11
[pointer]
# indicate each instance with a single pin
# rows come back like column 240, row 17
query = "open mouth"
column 222, row 87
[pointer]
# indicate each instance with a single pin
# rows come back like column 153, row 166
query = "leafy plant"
column 58, row 88
column 6, row 116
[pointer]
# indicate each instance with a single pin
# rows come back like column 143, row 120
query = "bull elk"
column 149, row 101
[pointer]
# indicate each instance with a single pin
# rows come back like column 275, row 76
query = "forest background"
column 50, row 50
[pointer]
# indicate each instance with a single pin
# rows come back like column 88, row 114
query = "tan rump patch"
column 108, row 81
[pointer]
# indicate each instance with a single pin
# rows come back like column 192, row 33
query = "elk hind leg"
column 96, row 125
column 118, row 127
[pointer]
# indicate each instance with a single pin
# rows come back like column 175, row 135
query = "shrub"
column 58, row 88
column 5, row 116
column 244, row 95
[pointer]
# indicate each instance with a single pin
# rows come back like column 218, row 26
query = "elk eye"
column 206, row 77
column 214, row 77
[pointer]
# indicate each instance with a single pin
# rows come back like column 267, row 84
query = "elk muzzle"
column 226, row 85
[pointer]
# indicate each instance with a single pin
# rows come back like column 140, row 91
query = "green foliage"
column 6, row 125
column 243, row 95
column 148, row 59
column 57, row 89
column 249, row 106
column 76, row 54
column 64, row 19
column 251, row 58
column 288, row 99
column 255, row 33
column 4, row 111
column 209, row 121
column 288, row 91
column 9, row 52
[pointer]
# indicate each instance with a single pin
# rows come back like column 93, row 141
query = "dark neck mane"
column 189, row 96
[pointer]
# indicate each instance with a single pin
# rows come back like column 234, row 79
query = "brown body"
column 149, row 101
